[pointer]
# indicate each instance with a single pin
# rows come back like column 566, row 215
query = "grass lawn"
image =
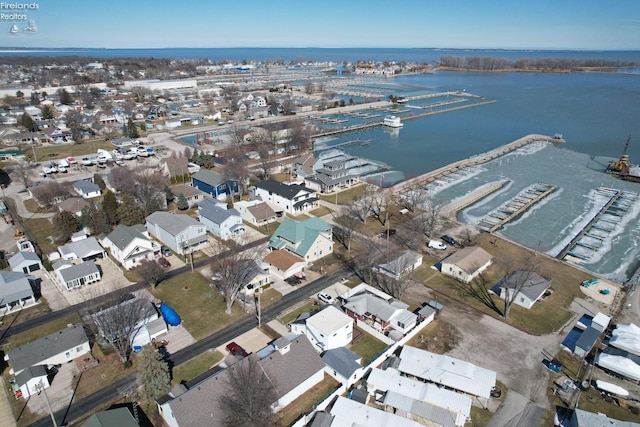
column 47, row 152
column 438, row 337
column 196, row 366
column 32, row 206
column 321, row 211
column 201, row 308
column 48, row 328
column 480, row 417
column 292, row 315
column 367, row 347
column 306, row 402
column 266, row 229
column 269, row 296
column 41, row 229
column 344, row 196
column 544, row 317
column 301, row 217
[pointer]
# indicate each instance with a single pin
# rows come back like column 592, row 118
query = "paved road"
column 110, row 392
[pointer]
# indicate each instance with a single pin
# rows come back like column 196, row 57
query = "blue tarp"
column 169, row 315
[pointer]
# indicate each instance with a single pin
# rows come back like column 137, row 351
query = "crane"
column 623, row 164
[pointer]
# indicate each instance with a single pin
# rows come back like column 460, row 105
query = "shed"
column 586, row 341
column 25, row 262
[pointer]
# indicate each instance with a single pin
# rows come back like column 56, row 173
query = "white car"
column 325, row 298
column 435, row 244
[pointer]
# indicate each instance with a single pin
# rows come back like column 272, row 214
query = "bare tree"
column 235, row 167
column 381, row 202
column 233, row 267
column 119, row 324
column 414, row 197
column 299, row 137
column 394, row 286
column 518, row 269
column 480, row 289
column 249, row 392
column 47, row 194
column 431, row 218
column 150, row 272
column 21, row 172
column 362, row 205
column 346, row 224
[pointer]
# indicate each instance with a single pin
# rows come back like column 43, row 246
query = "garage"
column 25, row 262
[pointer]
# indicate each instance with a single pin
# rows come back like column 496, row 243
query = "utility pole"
column 259, row 308
column 41, row 388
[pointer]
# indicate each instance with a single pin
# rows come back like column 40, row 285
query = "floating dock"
column 515, row 207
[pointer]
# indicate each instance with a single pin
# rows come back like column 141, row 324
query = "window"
column 400, row 324
column 521, row 299
column 78, row 349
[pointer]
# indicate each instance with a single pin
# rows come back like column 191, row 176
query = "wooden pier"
column 515, row 207
column 568, row 249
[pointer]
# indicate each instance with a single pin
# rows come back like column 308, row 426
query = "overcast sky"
column 537, row 24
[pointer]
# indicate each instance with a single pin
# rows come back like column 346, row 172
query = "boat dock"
column 361, row 142
column 478, row 194
column 591, row 237
column 429, row 177
column 515, row 207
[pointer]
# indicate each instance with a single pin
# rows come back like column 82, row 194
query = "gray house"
column 86, row 189
column 84, row 249
column 181, row 233
column 25, row 262
column 75, row 275
column 15, row 291
column 221, row 222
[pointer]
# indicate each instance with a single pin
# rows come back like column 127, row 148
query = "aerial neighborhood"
column 187, row 243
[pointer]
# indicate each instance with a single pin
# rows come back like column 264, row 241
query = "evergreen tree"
column 154, row 373
column 35, row 99
column 27, row 122
column 47, row 112
column 197, row 158
column 65, row 97
column 182, row 202
column 95, row 220
column 132, row 130
column 97, row 180
column 64, row 225
column 110, row 207
column 169, row 194
column 129, row 213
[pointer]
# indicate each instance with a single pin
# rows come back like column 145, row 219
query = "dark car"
column 450, row 240
column 236, row 350
column 293, row 281
column 163, row 262
column 391, row 232
column 165, row 251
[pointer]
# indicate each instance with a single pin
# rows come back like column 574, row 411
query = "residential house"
column 303, row 165
column 348, row 412
column 75, row 205
column 131, row 245
column 291, row 364
column 257, row 276
column 31, row 381
column 16, row 291
column 343, row 365
column 283, row 263
column 57, row 135
column 84, row 249
column 401, row 265
column 73, row 276
column 117, row 417
column 447, row 371
column 25, row 262
column 466, row 264
column 529, row 287
column 214, row 184
column 175, row 167
column 409, row 395
column 86, row 189
column 55, row 349
column 331, row 177
column 310, row 239
column 380, row 313
column 255, row 212
column 191, row 194
column 582, row 418
column 220, row 221
column 293, row 199
column 327, row 328
column 181, row 233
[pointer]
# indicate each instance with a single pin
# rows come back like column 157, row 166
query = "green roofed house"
column 310, row 239
column 118, row 417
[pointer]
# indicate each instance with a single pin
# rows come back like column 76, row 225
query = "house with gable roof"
column 84, row 249
column 529, row 285
column 255, row 212
column 220, row 221
column 25, row 262
column 466, row 264
column 214, row 184
column 181, row 233
column 401, row 265
column 291, row 364
column 75, row 205
column 327, row 328
column 310, row 239
column 16, row 291
column 86, row 189
column 75, row 275
column 330, row 177
column 283, row 263
column 175, row 167
column 294, row 199
column 191, row 194
column 343, row 365
column 130, row 245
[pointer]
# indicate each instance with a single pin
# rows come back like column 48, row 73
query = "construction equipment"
column 19, row 234
column 622, row 165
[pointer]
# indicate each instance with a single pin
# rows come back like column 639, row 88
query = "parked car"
column 163, row 262
column 325, row 298
column 450, row 240
column 165, row 251
column 236, row 350
column 293, row 281
column 435, row 244
column 391, row 232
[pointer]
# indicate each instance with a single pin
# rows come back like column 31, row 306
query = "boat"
column 392, row 121
column 13, row 29
column 169, row 315
column 611, row 388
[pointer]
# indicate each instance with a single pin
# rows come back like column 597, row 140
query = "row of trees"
column 488, row 63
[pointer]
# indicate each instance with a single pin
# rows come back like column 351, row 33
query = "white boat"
column 13, row 29
column 392, row 121
column 611, row 388
column 24, row 245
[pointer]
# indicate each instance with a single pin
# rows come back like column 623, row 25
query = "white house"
column 255, row 212
column 379, row 313
column 529, row 285
column 466, row 264
column 31, row 381
column 75, row 205
column 84, row 249
column 131, row 245
column 220, row 221
column 283, row 263
column 25, row 262
column 348, row 412
column 181, row 233
column 191, row 194
column 257, row 276
column 343, row 365
column 401, row 265
column 86, row 189
column 16, row 291
column 294, row 199
column 75, row 275
column 326, row 329
column 55, row 349
column 310, row 239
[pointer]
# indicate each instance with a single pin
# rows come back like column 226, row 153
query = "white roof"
column 448, row 371
column 348, row 413
column 619, row 364
column 602, row 320
column 626, row 341
column 426, row 411
column 390, row 380
column 329, row 320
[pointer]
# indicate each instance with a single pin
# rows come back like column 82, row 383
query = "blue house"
column 214, row 184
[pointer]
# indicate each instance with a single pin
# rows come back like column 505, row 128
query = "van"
column 325, row 298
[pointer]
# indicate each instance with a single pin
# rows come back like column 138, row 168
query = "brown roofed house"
column 465, row 264
column 284, row 263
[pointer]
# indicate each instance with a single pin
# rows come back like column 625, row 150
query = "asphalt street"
column 110, row 393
